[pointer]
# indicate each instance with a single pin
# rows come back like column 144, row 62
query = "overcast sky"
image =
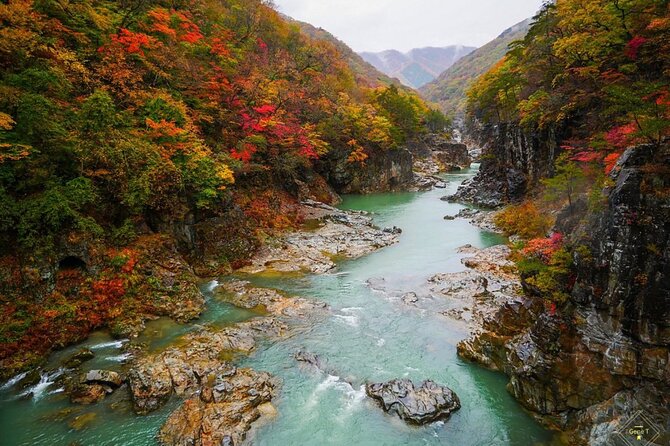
column 376, row 25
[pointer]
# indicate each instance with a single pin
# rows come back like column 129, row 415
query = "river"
column 370, row 335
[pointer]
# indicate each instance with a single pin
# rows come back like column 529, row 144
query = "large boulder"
column 222, row 411
column 94, row 385
column 417, row 405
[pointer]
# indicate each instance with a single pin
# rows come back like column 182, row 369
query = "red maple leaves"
column 175, row 25
column 132, row 42
column 633, row 46
column 543, row 248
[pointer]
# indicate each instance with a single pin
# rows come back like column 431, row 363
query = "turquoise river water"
column 370, row 335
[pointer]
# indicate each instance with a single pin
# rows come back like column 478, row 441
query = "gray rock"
column 409, row 298
column 104, row 377
column 429, row 402
column 309, row 358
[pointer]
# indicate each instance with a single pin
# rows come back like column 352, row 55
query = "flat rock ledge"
column 415, row 405
column 339, row 234
column 241, row 294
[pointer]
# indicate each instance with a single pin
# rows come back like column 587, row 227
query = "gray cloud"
column 375, row 25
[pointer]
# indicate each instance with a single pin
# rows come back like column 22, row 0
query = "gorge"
column 220, row 225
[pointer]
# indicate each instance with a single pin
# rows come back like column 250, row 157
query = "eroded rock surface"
column 241, row 294
column 476, row 293
column 221, row 401
column 180, row 370
column 417, row 405
column 222, row 410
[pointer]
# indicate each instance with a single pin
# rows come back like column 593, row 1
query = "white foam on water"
column 349, row 320
column 59, row 390
column 110, row 344
column 351, row 309
column 355, row 396
column 38, row 391
column 211, row 286
column 381, row 342
column 339, row 274
column 14, row 380
column 320, row 388
column 119, row 358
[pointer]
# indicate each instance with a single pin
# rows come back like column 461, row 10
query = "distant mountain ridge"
column 419, row 66
column 450, row 88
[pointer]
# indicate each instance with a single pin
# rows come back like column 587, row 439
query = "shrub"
column 524, row 220
column 545, row 266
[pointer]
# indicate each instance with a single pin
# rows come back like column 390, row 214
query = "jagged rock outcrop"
column 416, row 405
column 513, row 160
column 228, row 400
column 590, row 366
column 435, row 154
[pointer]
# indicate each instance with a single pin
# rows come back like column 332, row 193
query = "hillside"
column 366, row 74
column 449, row 89
column 418, row 66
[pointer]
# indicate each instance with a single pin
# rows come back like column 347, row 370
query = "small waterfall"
column 47, row 378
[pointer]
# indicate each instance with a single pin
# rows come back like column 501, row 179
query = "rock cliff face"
column 389, row 171
column 591, row 366
column 513, row 160
column 446, row 154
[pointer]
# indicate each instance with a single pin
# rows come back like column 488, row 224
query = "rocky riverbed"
column 222, row 401
column 218, row 382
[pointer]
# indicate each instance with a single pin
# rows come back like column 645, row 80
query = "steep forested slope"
column 449, row 89
column 135, row 134
column 364, row 72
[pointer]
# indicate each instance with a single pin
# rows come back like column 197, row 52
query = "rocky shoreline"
column 221, row 401
column 337, row 235
column 599, row 362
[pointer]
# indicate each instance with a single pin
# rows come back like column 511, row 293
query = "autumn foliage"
column 598, row 68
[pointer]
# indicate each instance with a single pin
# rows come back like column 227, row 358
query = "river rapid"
column 370, row 335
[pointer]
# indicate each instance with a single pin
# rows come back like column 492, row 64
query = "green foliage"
column 404, row 111
column 437, row 122
column 568, row 179
column 98, row 113
column 550, row 279
column 124, row 234
column 57, row 208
